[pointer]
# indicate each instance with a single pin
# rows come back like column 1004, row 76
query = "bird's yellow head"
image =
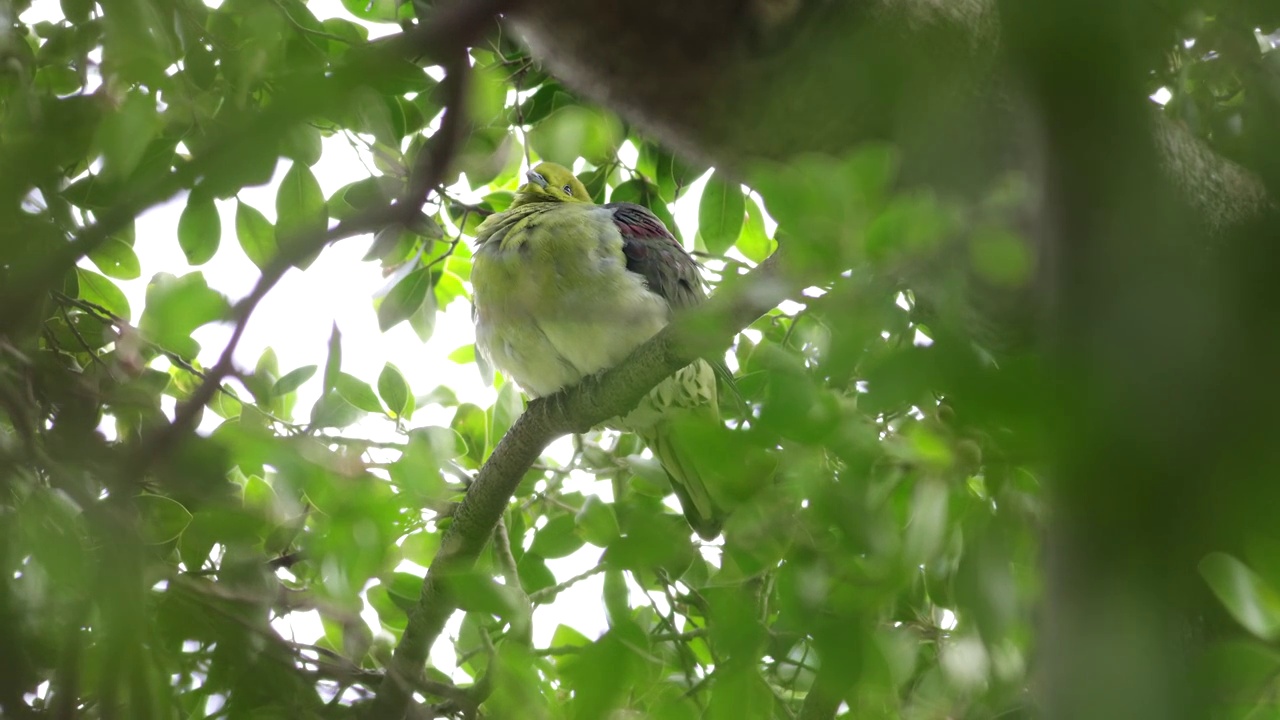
column 549, row 182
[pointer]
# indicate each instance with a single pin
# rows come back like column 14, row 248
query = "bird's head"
column 549, row 182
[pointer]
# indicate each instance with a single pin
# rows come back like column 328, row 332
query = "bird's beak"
column 537, row 179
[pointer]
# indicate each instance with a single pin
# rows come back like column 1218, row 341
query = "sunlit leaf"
column 720, row 214
column 1250, row 600
column 257, row 236
column 100, row 291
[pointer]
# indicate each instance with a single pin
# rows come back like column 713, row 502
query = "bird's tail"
column 686, row 466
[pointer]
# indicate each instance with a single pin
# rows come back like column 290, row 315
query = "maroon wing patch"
column 655, row 255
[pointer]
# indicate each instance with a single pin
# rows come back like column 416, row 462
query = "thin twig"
column 549, row 592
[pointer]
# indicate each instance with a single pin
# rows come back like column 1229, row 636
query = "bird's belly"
column 547, row 346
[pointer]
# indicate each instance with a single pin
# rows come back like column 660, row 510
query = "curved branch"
column 576, row 409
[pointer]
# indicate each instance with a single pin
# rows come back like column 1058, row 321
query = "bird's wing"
column 653, row 253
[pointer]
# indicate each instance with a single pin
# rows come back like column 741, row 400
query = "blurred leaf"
column 178, row 305
column 100, row 291
column 388, row 11
column 257, row 236
column 164, row 519
column 404, row 299
column 720, row 214
column 1250, row 600
column 125, row 134
column 293, row 380
column 393, row 389
column 116, row 259
column 302, row 144
column 333, row 410
column 300, row 206
column 358, row 393
column 534, row 573
column 754, row 243
column 478, row 593
column 333, row 364
column 597, row 522
column 557, row 538
column 1000, row 257
column 573, row 132
column 199, row 229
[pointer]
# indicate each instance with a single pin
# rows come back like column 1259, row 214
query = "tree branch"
column 445, row 38
column 700, row 333
column 456, row 22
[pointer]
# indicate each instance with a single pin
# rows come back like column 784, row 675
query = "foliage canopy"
column 891, row 568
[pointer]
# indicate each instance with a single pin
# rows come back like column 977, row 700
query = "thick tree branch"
column 825, row 77
column 576, row 409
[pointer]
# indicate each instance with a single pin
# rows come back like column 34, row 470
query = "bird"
column 564, row 289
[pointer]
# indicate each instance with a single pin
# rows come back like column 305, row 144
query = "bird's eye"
column 568, row 189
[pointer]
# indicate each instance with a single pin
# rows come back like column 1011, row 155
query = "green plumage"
column 565, row 289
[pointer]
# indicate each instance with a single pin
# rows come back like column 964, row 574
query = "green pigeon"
column 565, row 288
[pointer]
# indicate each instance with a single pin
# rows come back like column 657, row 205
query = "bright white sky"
column 296, row 320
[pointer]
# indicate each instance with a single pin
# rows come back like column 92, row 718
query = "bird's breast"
column 555, row 302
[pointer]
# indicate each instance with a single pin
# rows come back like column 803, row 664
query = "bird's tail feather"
column 687, row 479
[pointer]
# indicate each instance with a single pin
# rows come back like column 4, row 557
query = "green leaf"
column 334, row 363
column 469, row 422
column 293, row 380
column 357, row 392
column 116, row 259
column 421, row 547
column 637, row 190
column 720, row 214
column 301, row 211
column 911, row 225
column 125, row 134
column 486, row 153
column 76, row 11
column 1000, row 257
column 557, row 538
column 100, row 291
column 486, row 93
column 178, row 305
column 404, row 589
column 332, row 410
column 393, row 389
column 597, row 523
column 302, row 143
column 377, row 10
column 479, row 593
column 199, row 229
column 362, row 195
column 1250, row 600
column 257, row 237
column 871, row 171
column 573, row 132
column 404, row 299
column 504, row 412
column 754, row 243
column 534, row 573
column 546, row 100
column 163, row 519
